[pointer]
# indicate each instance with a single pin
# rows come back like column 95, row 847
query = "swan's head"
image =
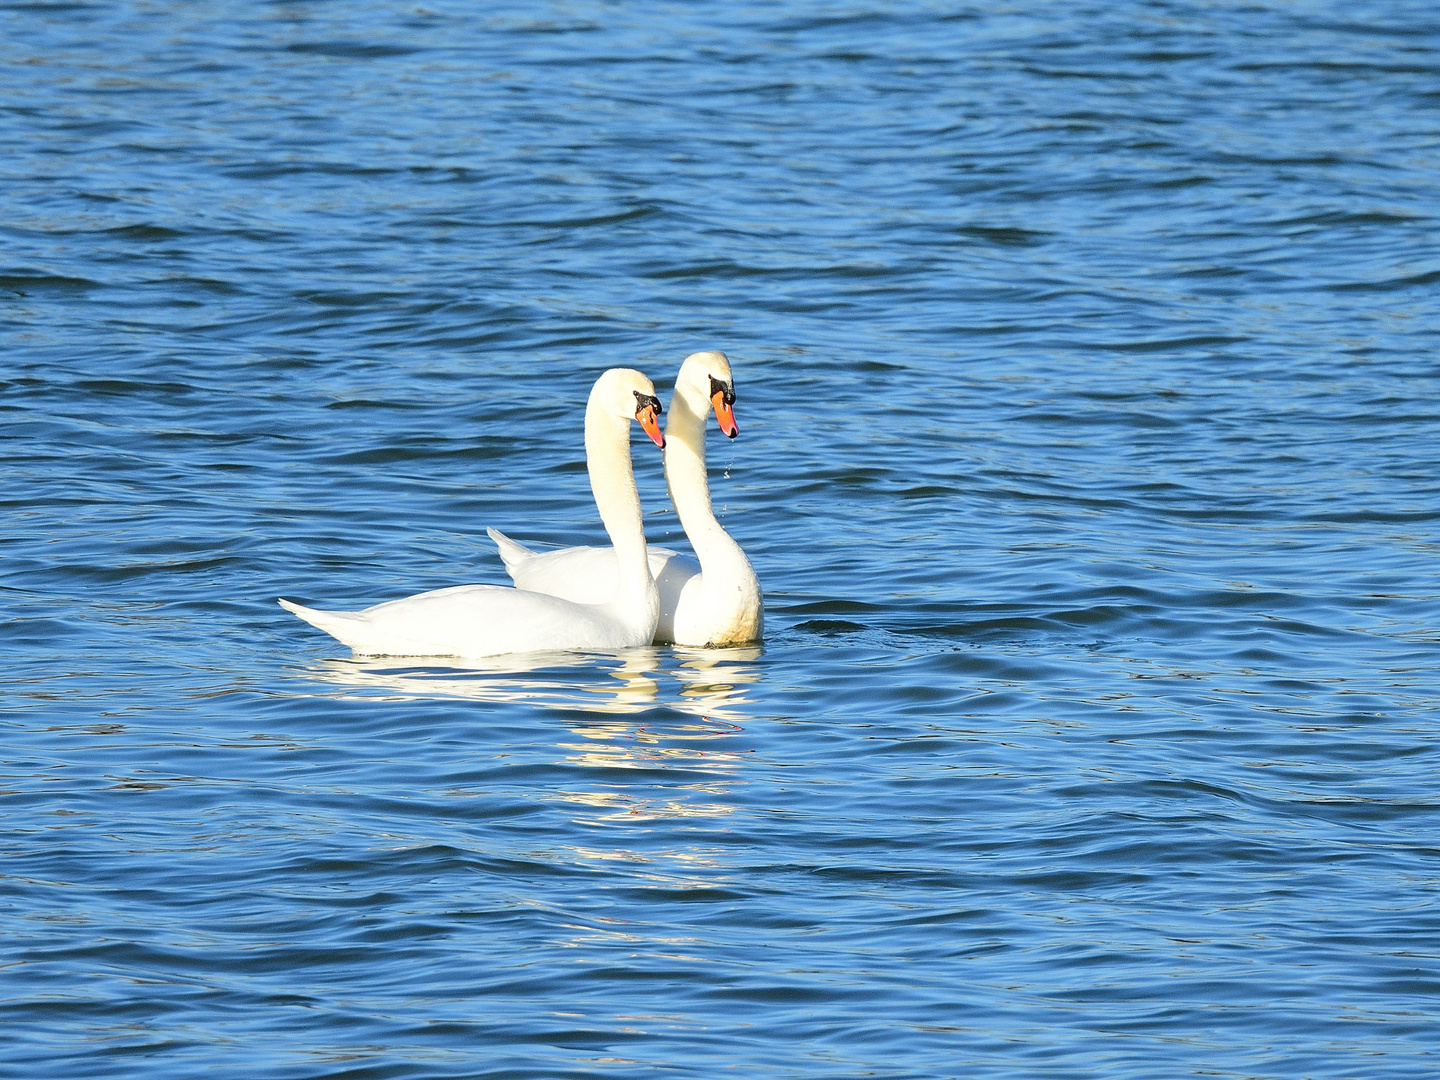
column 706, row 377
column 625, row 392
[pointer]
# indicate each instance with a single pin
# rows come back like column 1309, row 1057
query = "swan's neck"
column 607, row 456
column 689, row 487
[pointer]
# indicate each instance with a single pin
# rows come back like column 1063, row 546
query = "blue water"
column 1086, row 363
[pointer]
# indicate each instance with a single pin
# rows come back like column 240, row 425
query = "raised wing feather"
column 585, row 575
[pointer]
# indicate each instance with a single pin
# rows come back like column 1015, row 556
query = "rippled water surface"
column 1086, row 359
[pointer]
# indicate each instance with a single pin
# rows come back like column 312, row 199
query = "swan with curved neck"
column 715, row 601
column 490, row 620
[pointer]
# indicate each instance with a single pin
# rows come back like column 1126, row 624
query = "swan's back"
column 586, row 575
column 475, row 621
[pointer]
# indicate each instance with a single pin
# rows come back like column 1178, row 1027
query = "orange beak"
column 646, row 416
column 725, row 415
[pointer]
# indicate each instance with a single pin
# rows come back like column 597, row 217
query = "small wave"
column 1408, row 281
column 352, row 50
column 25, row 283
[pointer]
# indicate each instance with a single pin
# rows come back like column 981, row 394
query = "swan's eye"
column 727, row 392
column 647, row 401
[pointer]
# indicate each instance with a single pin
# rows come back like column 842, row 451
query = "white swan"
column 489, row 620
column 714, row 602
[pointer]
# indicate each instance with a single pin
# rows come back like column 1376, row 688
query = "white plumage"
column 489, row 620
column 715, row 601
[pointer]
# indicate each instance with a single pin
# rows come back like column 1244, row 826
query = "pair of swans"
column 586, row 598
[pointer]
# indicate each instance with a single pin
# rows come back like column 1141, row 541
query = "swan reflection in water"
column 687, row 768
column 681, row 768
column 712, row 681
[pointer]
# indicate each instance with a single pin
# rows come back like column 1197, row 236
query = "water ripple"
column 1082, row 364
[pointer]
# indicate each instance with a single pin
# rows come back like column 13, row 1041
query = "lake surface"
column 1086, row 361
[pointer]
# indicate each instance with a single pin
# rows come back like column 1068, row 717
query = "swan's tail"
column 512, row 552
column 345, row 626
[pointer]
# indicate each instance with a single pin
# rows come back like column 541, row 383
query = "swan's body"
column 489, row 620
column 715, row 601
